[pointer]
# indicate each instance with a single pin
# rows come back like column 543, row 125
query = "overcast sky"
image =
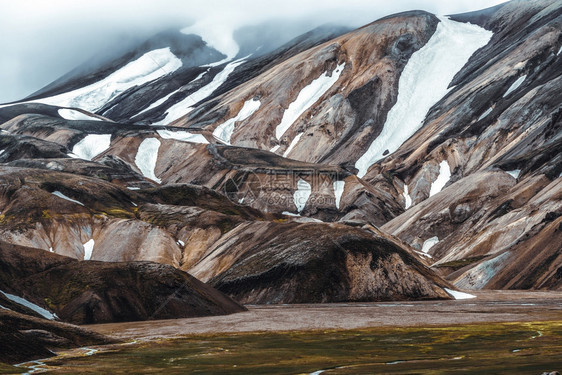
column 42, row 40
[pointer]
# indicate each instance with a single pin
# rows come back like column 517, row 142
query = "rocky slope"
column 268, row 175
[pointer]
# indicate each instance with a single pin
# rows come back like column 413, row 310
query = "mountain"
column 398, row 161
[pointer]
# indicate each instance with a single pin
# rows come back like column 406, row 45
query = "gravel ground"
column 488, row 307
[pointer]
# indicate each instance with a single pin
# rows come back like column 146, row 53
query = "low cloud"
column 42, row 40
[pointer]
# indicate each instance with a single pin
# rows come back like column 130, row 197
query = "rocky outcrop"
column 315, row 262
column 99, row 292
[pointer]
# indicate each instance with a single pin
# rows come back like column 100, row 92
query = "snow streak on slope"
column 423, row 82
column 71, row 114
column 91, row 146
column 184, row 136
column 515, row 85
column 306, row 98
column 147, row 156
column 302, row 194
column 184, row 107
column 148, row 67
column 88, row 248
column 459, row 295
column 225, row 130
column 515, row 173
column 429, row 243
column 338, row 191
column 61, row 195
column 21, row 301
column 442, row 179
column 293, row 144
column 407, row 197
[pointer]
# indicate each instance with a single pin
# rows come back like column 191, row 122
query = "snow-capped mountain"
column 387, row 162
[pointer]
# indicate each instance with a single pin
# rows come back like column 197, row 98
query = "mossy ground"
column 514, row 348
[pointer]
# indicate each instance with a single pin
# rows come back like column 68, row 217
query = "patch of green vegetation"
column 514, row 348
column 119, row 213
column 7, row 369
column 460, row 263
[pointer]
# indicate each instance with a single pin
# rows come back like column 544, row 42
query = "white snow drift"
column 147, row 156
column 429, row 243
column 423, row 82
column 442, row 179
column 21, row 301
column 293, row 144
column 225, row 130
column 72, row 114
column 185, row 106
column 182, row 135
column 306, row 98
column 91, row 146
column 88, row 248
column 459, row 295
column 407, row 197
column 61, row 195
column 339, row 186
column 515, row 85
column 148, row 67
column 302, row 194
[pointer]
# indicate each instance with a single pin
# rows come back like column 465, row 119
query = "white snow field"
column 224, row 131
column 148, row 67
column 21, row 301
column 338, row 191
column 88, row 248
column 423, row 82
column 306, row 98
column 515, row 173
column 185, row 106
column 302, row 194
column 91, row 146
column 459, row 295
column 515, row 85
column 181, row 135
column 61, row 195
column 407, row 197
column 429, row 243
column 293, row 144
column 146, row 158
column 72, row 114
column 442, row 179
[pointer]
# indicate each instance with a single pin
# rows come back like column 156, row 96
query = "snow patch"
column 459, row 295
column 157, row 103
column 442, row 179
column 51, row 250
column 150, row 66
column 338, row 192
column 275, row 148
column 559, row 51
column 306, row 98
column 224, row 131
column 423, row 82
column 61, row 195
column 183, row 136
column 515, row 85
column 88, row 248
column 72, row 114
column 483, row 115
column 21, row 301
column 184, row 107
column 407, row 197
column 147, row 156
column 181, row 243
column 293, row 144
column 429, row 243
column 289, row 213
column 302, row 194
column 2, row 151
column 133, row 188
column 91, row 146
column 515, row 173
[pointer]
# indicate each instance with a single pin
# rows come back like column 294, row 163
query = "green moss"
column 7, row 369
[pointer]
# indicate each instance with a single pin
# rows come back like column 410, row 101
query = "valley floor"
column 488, row 307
